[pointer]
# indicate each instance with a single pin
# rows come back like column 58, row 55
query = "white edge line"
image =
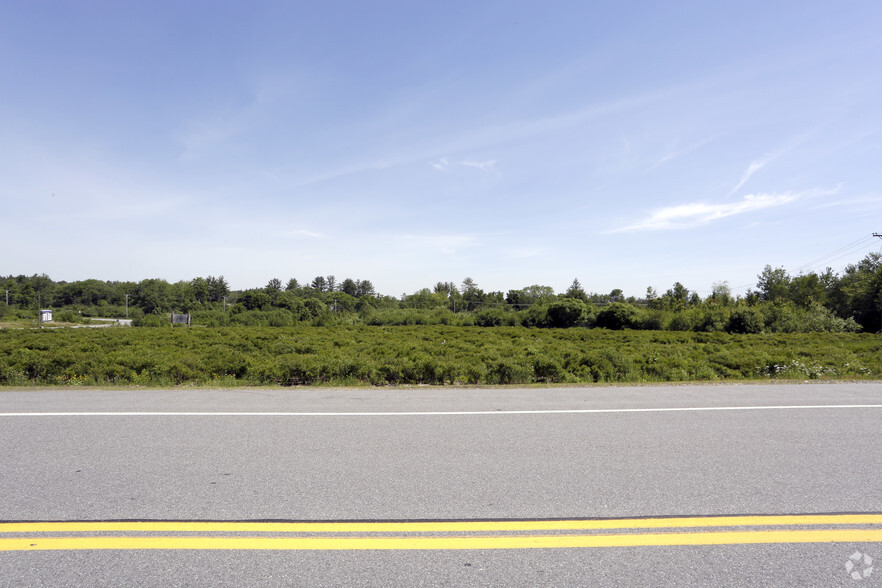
column 439, row 413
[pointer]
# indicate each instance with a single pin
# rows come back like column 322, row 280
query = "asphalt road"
column 433, row 454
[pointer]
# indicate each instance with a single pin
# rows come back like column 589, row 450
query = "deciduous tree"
column 773, row 284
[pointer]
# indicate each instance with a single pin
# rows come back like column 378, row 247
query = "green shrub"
column 610, row 366
column 304, row 355
column 712, row 320
column 653, row 320
column 781, row 317
column 617, row 316
column 67, row 316
column 682, row 321
column 547, row 369
column 151, row 320
column 474, row 372
column 491, row 317
column 565, row 313
column 746, row 319
column 535, row 316
column 508, row 372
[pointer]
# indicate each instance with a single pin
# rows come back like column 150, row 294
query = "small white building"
column 45, row 316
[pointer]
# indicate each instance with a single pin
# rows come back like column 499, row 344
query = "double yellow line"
column 504, row 534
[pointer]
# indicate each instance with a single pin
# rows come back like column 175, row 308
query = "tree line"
column 827, row 301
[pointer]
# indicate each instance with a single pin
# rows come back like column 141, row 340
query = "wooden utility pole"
column 879, row 235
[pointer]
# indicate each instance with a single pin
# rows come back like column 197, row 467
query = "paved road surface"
column 447, row 455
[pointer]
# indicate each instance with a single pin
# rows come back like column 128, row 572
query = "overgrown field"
column 422, row 355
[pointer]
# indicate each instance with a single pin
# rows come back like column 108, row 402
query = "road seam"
column 443, row 413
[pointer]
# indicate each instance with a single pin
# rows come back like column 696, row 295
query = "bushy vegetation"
column 781, row 303
column 436, row 354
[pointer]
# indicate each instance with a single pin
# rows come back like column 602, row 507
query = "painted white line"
column 438, row 413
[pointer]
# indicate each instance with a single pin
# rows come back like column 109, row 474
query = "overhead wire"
column 864, row 242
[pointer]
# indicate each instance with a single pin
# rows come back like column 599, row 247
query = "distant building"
column 45, row 316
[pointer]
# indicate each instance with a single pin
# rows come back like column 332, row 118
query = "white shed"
column 45, row 316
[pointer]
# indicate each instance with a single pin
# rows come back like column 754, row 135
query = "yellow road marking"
column 426, row 543
column 440, row 526
column 414, row 535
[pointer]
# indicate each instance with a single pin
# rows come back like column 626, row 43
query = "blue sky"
column 624, row 144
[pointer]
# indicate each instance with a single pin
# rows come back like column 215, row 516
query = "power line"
column 864, row 242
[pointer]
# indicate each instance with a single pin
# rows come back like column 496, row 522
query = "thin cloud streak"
column 674, row 152
column 758, row 164
column 507, row 133
column 305, row 233
column 871, row 199
column 448, row 244
column 754, row 167
column 694, row 214
column 444, row 164
column 441, row 165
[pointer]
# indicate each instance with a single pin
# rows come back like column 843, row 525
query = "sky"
column 624, row 144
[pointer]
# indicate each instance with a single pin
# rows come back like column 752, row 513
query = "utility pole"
column 127, row 306
column 879, row 235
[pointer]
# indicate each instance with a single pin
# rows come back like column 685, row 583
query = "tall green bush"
column 617, row 316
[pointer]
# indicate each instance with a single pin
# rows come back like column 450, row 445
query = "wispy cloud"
column 304, row 233
column 857, row 202
column 261, row 104
column 481, row 165
column 342, row 171
column 448, row 244
column 758, row 164
column 444, row 164
column 685, row 216
column 526, row 252
column 210, row 131
column 430, row 142
column 674, row 151
column 754, row 167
